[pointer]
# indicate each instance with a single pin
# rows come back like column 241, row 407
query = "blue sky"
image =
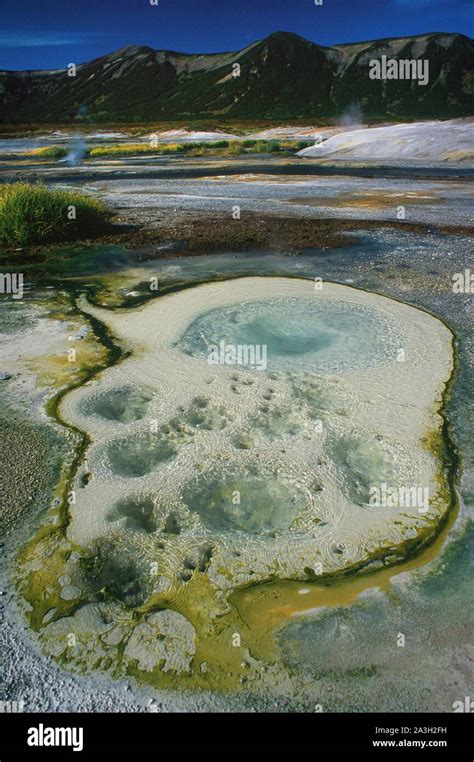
column 43, row 34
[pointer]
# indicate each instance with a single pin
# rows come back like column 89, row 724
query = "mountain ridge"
column 281, row 76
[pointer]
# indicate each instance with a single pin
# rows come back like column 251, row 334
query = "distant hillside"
column 281, row 77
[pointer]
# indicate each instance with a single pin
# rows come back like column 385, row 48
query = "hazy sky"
column 43, row 34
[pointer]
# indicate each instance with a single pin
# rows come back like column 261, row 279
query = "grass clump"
column 190, row 148
column 203, row 148
column 136, row 149
column 32, row 214
column 48, row 152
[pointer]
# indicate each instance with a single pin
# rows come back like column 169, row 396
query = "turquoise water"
column 244, row 502
column 124, row 405
column 301, row 333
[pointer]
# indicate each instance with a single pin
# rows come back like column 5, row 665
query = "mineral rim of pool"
column 279, row 467
column 202, row 477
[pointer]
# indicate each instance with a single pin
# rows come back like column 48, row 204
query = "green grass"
column 135, row 149
column 202, row 148
column 214, row 148
column 31, row 214
column 48, row 152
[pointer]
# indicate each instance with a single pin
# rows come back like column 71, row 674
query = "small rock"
column 69, row 592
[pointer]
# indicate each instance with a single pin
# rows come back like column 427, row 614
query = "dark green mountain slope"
column 281, row 77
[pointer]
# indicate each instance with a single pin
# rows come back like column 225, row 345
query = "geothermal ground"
column 220, row 549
